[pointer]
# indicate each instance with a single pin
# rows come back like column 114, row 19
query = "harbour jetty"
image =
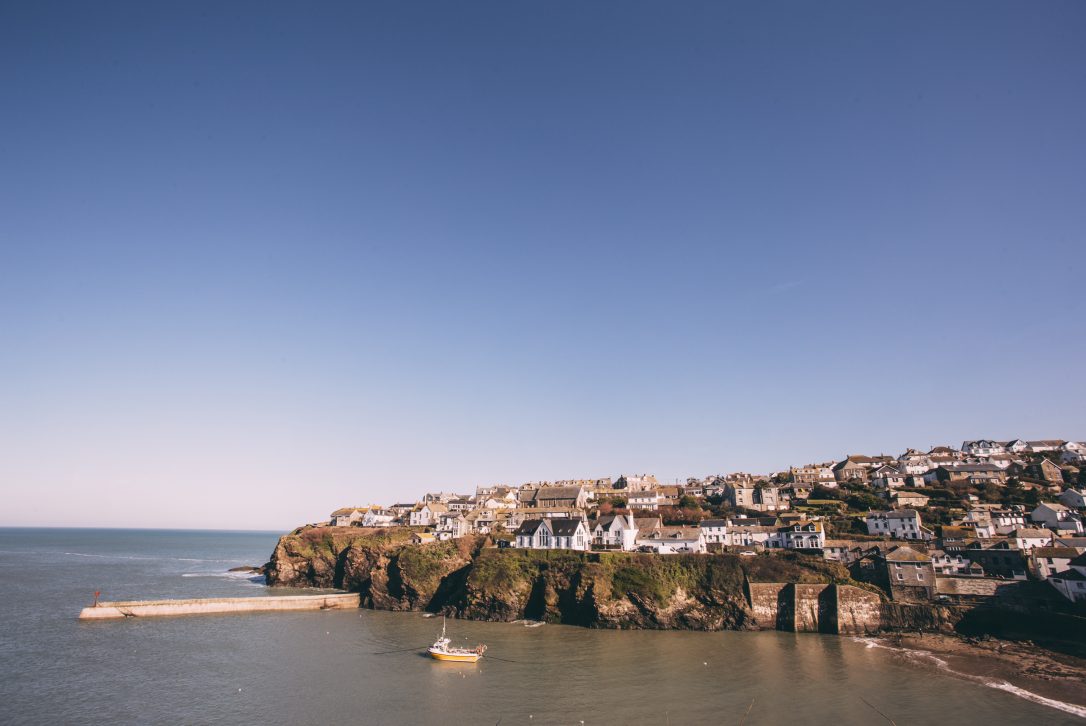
column 218, row 606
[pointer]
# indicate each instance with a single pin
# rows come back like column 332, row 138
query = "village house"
column 760, row 498
column 905, row 574
column 1073, row 452
column 956, row 539
column 714, row 531
column 615, row 531
column 974, row 474
column 1039, row 447
column 347, row 516
column 1027, row 538
column 376, row 517
column 451, row 525
column 983, row 447
column 425, row 515
column 401, row 509
column 794, row 491
column 980, row 522
column 953, row 563
column 461, row 504
column 900, row 500
column 914, row 463
column 999, row 560
column 857, row 467
column 814, row 475
column 516, row 517
column 1057, row 517
column 1071, row 583
column 557, row 534
column 944, row 454
column 1074, row 498
column 1049, row 561
column 644, row 499
column 749, row 532
column 799, row 536
column 671, row 540
column 888, row 476
column 421, row 538
column 636, row 482
column 897, row 524
column 553, row 496
column 1007, row 520
column 841, row 550
column 1047, row 470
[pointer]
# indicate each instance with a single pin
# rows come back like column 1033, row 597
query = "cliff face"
column 604, row 590
column 382, row 565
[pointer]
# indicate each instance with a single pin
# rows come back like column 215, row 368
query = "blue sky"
column 259, row 260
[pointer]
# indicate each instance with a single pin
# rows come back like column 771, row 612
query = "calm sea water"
column 335, row 667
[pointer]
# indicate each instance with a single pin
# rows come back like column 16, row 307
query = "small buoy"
column 705, row 662
column 239, row 690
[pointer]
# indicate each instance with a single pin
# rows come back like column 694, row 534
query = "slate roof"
column 906, row 554
column 528, row 527
column 1031, row 533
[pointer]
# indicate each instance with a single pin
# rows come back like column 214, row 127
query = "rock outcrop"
column 471, row 578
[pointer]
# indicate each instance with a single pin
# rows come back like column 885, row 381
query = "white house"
column 1049, row 561
column 1073, row 452
column 983, row 447
column 672, row 540
column 946, row 563
column 553, row 534
column 888, row 477
column 1028, row 538
column 799, row 536
column 898, row 524
column 1006, row 521
column 1057, row 517
column 748, row 533
column 1072, row 582
column 1043, row 445
column 714, row 531
column 649, row 499
column 426, row 515
column 347, row 516
column 451, row 525
column 378, row 518
column 1074, row 498
column 615, row 531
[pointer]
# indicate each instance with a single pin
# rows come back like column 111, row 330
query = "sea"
column 368, row 667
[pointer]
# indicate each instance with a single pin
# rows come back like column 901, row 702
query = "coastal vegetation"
column 471, row 577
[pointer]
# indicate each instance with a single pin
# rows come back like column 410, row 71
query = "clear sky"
column 260, row 260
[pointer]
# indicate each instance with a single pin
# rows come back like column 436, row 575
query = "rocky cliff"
column 470, row 578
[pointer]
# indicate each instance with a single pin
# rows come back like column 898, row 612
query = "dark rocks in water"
column 253, row 569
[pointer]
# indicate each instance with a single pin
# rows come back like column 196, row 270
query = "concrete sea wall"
column 815, row 608
column 220, row 605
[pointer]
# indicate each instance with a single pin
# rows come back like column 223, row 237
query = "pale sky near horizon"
column 260, row 260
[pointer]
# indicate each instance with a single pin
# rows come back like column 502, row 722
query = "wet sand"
column 1004, row 664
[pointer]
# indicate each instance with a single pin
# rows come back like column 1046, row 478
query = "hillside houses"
column 953, row 523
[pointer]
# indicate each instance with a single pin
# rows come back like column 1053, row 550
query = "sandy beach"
column 1014, row 666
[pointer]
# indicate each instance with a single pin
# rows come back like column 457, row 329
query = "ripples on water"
column 308, row 668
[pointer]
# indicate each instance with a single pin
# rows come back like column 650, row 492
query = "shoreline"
column 1026, row 670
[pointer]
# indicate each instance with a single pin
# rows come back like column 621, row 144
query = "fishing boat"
column 442, row 651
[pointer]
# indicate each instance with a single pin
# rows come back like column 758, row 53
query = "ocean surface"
column 365, row 667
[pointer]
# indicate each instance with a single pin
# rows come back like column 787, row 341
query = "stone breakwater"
column 217, row 605
column 470, row 578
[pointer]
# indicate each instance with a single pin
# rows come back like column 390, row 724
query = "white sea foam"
column 996, row 683
column 142, row 557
